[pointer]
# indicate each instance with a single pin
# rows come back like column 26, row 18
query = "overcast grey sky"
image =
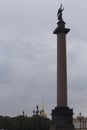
column 28, row 55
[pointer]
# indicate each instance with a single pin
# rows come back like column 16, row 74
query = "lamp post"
column 80, row 118
column 36, row 113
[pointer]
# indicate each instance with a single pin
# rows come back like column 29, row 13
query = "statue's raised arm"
column 59, row 14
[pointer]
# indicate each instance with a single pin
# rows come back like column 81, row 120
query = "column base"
column 62, row 119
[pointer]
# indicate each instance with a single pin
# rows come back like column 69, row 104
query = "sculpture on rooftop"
column 59, row 14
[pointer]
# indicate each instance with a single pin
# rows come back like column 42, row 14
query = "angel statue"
column 59, row 14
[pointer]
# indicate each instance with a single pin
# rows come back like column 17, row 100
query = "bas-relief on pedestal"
column 62, row 115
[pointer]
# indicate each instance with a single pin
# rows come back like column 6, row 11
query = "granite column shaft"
column 61, row 70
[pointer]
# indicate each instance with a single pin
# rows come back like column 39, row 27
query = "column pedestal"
column 62, row 119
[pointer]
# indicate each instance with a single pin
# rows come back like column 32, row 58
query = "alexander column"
column 62, row 115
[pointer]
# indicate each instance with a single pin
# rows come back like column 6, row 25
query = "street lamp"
column 80, row 118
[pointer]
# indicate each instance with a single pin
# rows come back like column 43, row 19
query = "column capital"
column 61, row 28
